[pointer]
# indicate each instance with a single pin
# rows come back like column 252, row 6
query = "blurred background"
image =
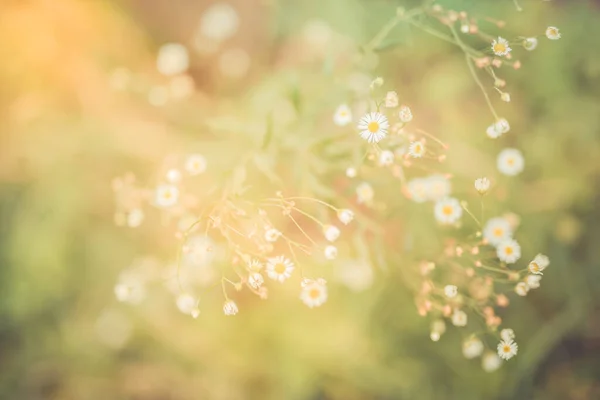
column 81, row 102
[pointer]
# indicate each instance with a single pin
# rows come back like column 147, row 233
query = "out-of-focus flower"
column 533, row 281
column 490, row 362
column 219, row 22
column 173, row 175
column 405, row 114
column 438, row 327
column 501, row 47
column 345, row 216
column 438, row 187
column 510, row 162
column 386, row 158
column 450, row 291
column 498, row 128
column 331, row 232
column 507, row 334
column 172, row 59
column 552, row 33
column 342, row 115
column 497, row 230
column 195, row 164
column 521, row 289
column 279, row 268
column 459, row 318
column 186, row 303
column 482, row 185
column 271, row 235
column 351, row 172
column 255, row 280
column 365, row 193
column 507, row 349
column 230, row 308
column 505, row 97
column 448, row 211
column 416, row 150
column 391, row 99
column 418, row 190
column 166, row 196
column 135, row 218
column 314, row 293
column 373, row 127
column 130, row 292
column 331, row 252
column 509, row 251
column 530, row 43
column 472, row 347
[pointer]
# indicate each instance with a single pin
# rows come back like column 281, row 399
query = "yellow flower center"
column 498, row 232
column 510, row 161
column 447, row 210
column 167, row 195
column 534, row 267
column 373, row 126
column 499, row 48
column 508, row 251
column 279, row 268
column 314, row 293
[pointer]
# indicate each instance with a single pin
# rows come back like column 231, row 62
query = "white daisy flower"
column 345, row 216
column 186, row 303
column 507, row 334
column 386, row 158
column 501, row 47
column 365, row 193
column 279, row 268
column 450, row 291
column 539, row 263
column 552, row 33
column 438, row 187
column 255, row 280
column 472, row 348
column 195, row 164
column 391, row 99
column 497, row 230
column 166, row 195
column 272, row 234
column 373, row 127
column 510, row 162
column 314, row 293
column 173, row 175
column 459, row 318
column 490, row 361
column 230, row 308
column 342, row 116
column 448, row 211
column 418, row 189
column 533, row 281
column 530, row 43
column 405, row 114
column 509, row 251
column 482, row 185
column 172, row 59
column 416, row 150
column 521, row 289
column 331, row 232
column 331, row 252
column 507, row 349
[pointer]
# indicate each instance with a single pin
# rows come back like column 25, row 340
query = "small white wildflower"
column 510, row 162
column 521, row 289
column 416, row 150
column 509, row 251
column 173, row 175
column 450, row 291
column 279, row 268
column 331, row 252
column 391, row 99
column 501, row 47
column 351, row 172
column 186, row 303
column 490, row 361
column 255, row 265
column 405, row 114
column 255, row 280
column 172, row 59
column 472, row 348
column 230, row 308
column 166, row 195
column 386, row 158
column 365, row 193
column 345, row 215
column 464, row 28
column 459, row 318
column 505, row 97
column 135, row 218
column 373, row 127
column 507, row 349
column 497, row 230
column 448, row 211
column 533, row 281
column 314, row 293
column 539, row 263
column 507, row 334
column 331, row 232
column 482, row 185
column 272, row 234
column 552, row 33
column 438, row 187
column 530, row 43
column 342, row 116
column 498, row 128
column 195, row 164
